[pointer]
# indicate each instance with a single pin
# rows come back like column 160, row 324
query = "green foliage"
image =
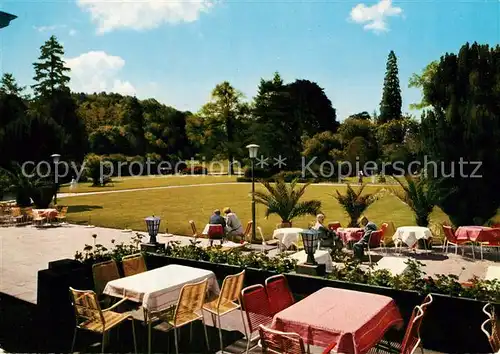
column 422, row 81
column 284, row 200
column 354, row 203
column 464, row 126
column 390, row 106
column 96, row 253
column 417, row 194
column 96, row 169
column 323, row 146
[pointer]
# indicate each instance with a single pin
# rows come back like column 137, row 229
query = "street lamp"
column 153, row 225
column 55, row 158
column 310, row 237
column 252, row 151
column 5, row 19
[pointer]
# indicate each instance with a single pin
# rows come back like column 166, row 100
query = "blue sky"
column 177, row 51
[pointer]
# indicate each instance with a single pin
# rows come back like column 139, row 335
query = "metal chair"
column 279, row 294
column 376, row 238
column 257, row 308
column 492, row 320
column 451, row 239
column 188, row 309
column 90, row 317
column 133, row 264
column 228, row 301
column 273, row 342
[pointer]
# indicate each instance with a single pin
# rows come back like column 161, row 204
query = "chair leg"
column 220, row 335
column 190, row 332
column 206, row 334
column 74, row 341
column 149, row 336
column 244, row 324
column 176, row 341
column 248, row 343
column 103, row 342
column 133, row 335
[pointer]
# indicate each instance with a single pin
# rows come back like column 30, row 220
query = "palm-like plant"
column 417, row 194
column 354, row 203
column 284, row 200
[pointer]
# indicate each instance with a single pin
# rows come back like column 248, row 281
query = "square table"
column 356, row 321
column 159, row 288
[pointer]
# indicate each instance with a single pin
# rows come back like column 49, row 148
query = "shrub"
column 94, row 165
column 195, row 170
column 258, row 173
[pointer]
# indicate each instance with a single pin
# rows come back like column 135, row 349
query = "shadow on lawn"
column 82, row 208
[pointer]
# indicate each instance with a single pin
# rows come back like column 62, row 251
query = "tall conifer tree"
column 390, row 106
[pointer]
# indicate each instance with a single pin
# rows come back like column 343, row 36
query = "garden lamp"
column 252, row 151
column 310, row 238
column 153, row 225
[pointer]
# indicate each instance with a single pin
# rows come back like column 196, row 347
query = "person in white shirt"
column 233, row 224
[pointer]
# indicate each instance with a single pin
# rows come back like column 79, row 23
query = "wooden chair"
column 133, row 264
column 257, row 308
column 38, row 220
column 90, row 317
column 103, row 273
column 193, row 228
column 228, row 301
column 16, row 215
column 61, row 216
column 279, row 294
column 188, row 309
column 494, row 334
column 273, row 342
column 248, row 231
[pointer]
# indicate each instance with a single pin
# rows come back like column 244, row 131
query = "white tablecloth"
column 411, row 234
column 287, row 235
column 321, row 256
column 159, row 288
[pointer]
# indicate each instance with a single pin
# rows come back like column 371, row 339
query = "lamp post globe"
column 252, row 152
column 153, row 225
column 310, row 239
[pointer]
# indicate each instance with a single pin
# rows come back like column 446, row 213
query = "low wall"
column 451, row 325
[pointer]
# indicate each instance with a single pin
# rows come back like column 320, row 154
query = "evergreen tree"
column 390, row 106
column 50, row 71
column 464, row 126
column 9, row 86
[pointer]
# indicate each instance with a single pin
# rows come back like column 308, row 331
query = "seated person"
column 217, row 219
column 233, row 224
column 328, row 238
column 359, row 246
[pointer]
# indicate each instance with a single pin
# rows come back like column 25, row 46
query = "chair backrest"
column 103, row 273
column 215, row 230
column 427, row 301
column 86, row 306
column 15, row 211
column 375, row 238
column 256, row 306
column 279, row 294
column 494, row 334
column 383, row 228
column 411, row 339
column 231, row 289
column 273, row 341
column 190, row 303
column 248, row 229
column 133, row 264
column 63, row 211
column 334, row 225
column 193, row 228
column 449, row 234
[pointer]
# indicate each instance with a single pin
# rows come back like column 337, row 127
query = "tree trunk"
column 285, row 223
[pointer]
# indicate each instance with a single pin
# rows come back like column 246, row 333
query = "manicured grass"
column 177, row 206
column 147, row 182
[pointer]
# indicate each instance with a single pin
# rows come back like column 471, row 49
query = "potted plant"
column 355, row 203
column 283, row 200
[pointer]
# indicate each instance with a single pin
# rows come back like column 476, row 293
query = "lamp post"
column 55, row 158
column 252, row 151
column 5, row 19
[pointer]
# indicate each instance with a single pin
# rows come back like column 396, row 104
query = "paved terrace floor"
column 26, row 250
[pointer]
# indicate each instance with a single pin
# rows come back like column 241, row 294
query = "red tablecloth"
column 478, row 234
column 350, row 234
column 354, row 320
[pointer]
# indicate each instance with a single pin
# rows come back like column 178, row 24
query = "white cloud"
column 72, row 32
column 48, row 28
column 375, row 17
column 97, row 71
column 142, row 14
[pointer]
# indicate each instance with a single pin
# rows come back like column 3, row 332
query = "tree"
column 9, row 86
column 50, row 71
column 218, row 125
column 133, row 120
column 422, row 81
column 361, row 115
column 311, row 107
column 390, row 106
column 462, row 130
column 283, row 199
column 418, row 196
column 354, row 203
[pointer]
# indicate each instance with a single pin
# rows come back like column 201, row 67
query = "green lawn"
column 148, row 182
column 179, row 205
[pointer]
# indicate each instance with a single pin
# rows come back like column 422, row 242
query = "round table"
column 288, row 235
column 411, row 234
